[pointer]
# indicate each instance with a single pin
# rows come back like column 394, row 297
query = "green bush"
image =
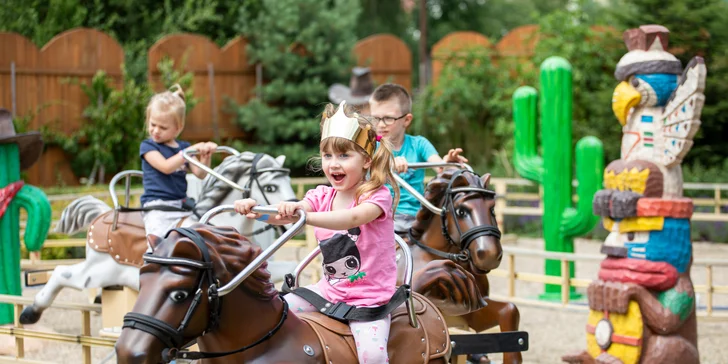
column 470, row 107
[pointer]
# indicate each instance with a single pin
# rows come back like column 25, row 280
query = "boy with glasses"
column 391, row 111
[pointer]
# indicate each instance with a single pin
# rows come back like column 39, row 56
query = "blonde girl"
column 354, row 225
column 164, row 167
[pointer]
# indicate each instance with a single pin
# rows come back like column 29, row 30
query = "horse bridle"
column 173, row 338
column 467, row 237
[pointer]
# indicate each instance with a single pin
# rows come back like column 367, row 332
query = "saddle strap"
column 343, row 312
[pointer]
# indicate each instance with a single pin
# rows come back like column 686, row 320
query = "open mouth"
column 338, row 177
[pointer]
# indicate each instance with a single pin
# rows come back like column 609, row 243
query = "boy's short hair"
column 391, row 91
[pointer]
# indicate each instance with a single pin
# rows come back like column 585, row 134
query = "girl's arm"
column 345, row 219
column 164, row 165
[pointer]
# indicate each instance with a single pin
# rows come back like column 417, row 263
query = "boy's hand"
column 400, row 164
column 245, row 207
column 453, row 156
column 287, row 210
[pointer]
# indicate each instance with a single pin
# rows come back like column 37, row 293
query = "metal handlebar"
column 260, row 259
column 189, row 152
column 408, row 273
column 421, row 165
column 436, row 210
column 112, row 190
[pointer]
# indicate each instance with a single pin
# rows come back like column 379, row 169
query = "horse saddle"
column 127, row 243
column 407, row 345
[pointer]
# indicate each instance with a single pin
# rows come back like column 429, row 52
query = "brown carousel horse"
column 454, row 252
column 181, row 298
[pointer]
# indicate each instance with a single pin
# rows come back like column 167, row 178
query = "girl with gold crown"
column 354, row 225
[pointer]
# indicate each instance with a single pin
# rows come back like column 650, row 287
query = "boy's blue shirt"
column 415, row 149
column 157, row 185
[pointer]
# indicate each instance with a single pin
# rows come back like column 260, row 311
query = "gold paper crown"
column 341, row 126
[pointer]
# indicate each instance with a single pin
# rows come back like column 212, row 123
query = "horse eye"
column 271, row 188
column 178, row 296
column 460, row 212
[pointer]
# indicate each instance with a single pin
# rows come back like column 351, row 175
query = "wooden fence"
column 34, row 83
column 512, row 195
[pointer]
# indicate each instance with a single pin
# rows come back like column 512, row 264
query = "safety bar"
column 436, row 210
column 408, row 272
column 260, row 259
column 421, row 165
column 112, row 185
column 189, row 152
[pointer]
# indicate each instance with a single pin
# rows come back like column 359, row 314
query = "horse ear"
column 485, row 179
column 153, row 241
column 281, row 159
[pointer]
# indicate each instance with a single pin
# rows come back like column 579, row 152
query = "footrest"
column 500, row 342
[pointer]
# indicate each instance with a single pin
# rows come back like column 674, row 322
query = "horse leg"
column 503, row 314
column 97, row 271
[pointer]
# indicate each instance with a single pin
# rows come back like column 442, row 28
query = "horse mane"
column 435, row 193
column 230, row 253
column 233, row 168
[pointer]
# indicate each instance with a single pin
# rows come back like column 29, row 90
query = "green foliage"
column 303, row 47
column 470, row 107
column 492, row 18
column 593, row 55
column 108, row 140
column 383, row 16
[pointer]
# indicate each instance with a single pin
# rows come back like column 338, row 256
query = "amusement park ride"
column 459, row 258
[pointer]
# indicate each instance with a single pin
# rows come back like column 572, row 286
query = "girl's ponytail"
column 380, row 172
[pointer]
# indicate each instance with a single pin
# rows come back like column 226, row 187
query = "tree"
column 383, row 16
column 303, row 47
column 697, row 27
column 593, row 53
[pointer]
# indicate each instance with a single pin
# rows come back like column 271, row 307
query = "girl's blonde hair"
column 380, row 171
column 170, row 102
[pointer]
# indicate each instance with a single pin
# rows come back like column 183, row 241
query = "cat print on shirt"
column 342, row 261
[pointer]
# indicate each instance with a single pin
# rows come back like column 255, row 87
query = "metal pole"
column 213, row 104
column 12, row 89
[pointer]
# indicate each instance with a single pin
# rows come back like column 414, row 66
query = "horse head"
column 467, row 231
column 176, row 303
column 264, row 179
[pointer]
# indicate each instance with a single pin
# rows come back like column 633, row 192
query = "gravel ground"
column 552, row 332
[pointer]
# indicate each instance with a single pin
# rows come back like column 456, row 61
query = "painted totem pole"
column 643, row 304
column 18, row 152
column 553, row 170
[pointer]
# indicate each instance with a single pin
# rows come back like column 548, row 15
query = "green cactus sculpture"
column 553, row 170
column 18, row 151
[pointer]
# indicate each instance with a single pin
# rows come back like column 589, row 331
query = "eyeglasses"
column 388, row 120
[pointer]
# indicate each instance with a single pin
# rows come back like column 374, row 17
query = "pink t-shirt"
column 359, row 265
